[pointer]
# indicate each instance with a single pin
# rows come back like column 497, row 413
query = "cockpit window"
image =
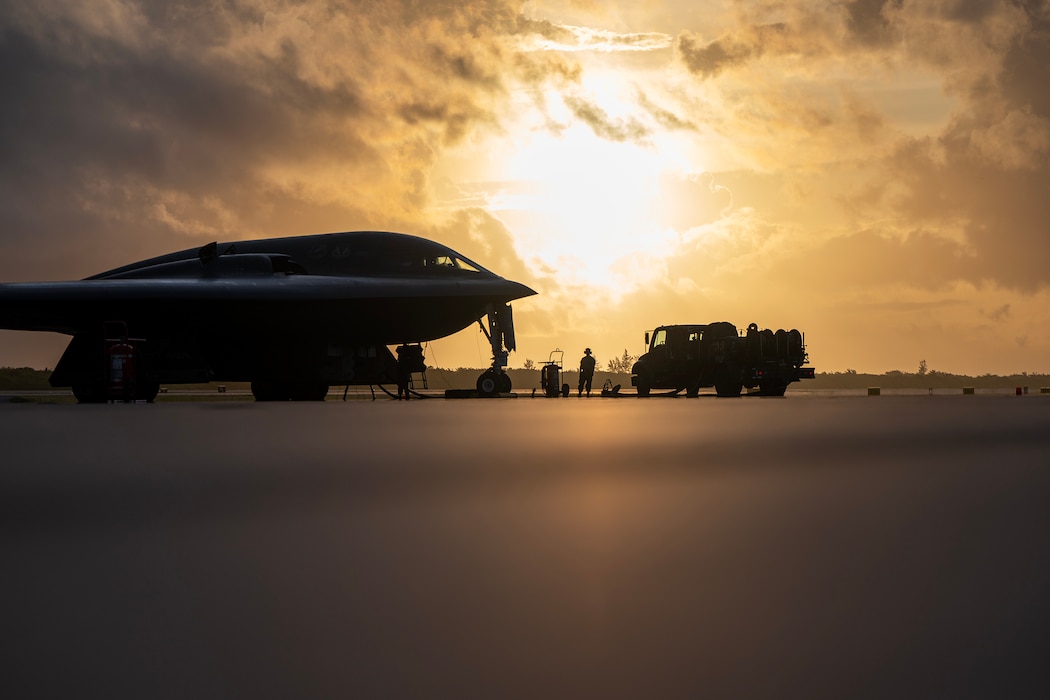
column 388, row 254
column 443, row 263
column 464, row 264
column 659, row 338
column 414, row 256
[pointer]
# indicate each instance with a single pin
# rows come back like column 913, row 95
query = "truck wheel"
column 729, row 389
column 642, row 382
column 772, row 388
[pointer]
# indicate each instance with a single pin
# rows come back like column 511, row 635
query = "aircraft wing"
column 71, row 307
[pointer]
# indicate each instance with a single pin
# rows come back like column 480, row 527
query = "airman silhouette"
column 586, row 372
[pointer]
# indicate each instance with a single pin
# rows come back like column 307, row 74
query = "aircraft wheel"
column 90, row 392
column 147, row 391
column 488, row 383
column 269, row 391
column 308, row 391
column 504, row 383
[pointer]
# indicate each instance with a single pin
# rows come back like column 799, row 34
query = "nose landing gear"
column 492, row 382
column 500, row 333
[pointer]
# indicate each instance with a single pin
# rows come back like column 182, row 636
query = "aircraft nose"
column 515, row 290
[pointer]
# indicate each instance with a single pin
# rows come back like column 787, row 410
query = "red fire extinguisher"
column 120, row 358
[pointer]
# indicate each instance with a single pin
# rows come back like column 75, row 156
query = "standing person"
column 409, row 359
column 403, row 377
column 586, row 372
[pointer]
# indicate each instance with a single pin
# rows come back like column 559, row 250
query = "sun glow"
column 590, row 198
column 580, row 202
column 579, row 176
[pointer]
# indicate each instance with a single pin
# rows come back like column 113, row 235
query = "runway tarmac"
column 582, row 548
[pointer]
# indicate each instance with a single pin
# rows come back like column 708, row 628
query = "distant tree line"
column 895, row 379
column 24, row 378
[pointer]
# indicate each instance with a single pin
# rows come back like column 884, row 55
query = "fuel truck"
column 692, row 356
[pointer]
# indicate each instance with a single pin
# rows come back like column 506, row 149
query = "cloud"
column 1019, row 141
column 873, row 259
column 708, row 59
column 145, row 127
column 809, row 32
column 977, row 184
column 998, row 314
column 551, row 37
column 599, row 121
column 687, row 202
column 664, row 117
column 1001, row 210
column 550, row 33
column 868, row 22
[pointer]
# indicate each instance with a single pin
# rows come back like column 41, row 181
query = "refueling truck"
column 689, row 357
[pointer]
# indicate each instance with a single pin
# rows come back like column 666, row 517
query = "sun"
column 591, row 196
column 576, row 178
column 582, row 201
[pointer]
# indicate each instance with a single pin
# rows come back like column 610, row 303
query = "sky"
column 875, row 173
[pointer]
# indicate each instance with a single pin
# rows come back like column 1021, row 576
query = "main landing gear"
column 500, row 333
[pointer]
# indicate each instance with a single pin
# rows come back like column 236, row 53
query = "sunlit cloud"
column 569, row 38
column 602, row 125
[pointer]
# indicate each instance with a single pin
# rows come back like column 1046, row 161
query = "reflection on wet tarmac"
column 603, row 548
